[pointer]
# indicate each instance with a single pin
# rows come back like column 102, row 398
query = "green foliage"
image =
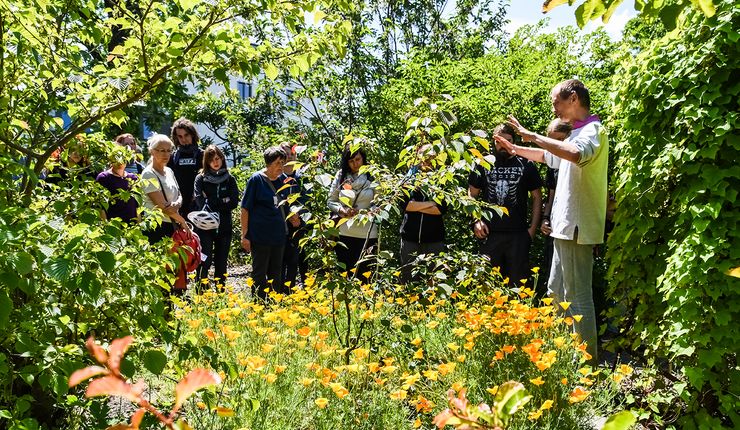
column 667, row 11
column 63, row 275
column 93, row 60
column 677, row 107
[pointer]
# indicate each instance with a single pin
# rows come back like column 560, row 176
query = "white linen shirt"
column 581, row 192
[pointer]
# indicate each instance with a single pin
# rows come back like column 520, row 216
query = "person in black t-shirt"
column 506, row 239
column 186, row 161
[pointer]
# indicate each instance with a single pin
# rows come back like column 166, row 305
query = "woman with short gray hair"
column 263, row 226
column 161, row 189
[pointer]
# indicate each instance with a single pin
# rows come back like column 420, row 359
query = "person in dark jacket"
column 422, row 226
column 294, row 258
column 186, row 161
column 217, row 190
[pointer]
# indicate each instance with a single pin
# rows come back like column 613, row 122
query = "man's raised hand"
column 505, row 144
column 526, row 135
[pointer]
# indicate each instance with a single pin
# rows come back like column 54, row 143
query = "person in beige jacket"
column 350, row 195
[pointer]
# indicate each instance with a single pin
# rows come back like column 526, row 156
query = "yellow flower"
column 457, row 386
column 280, row 369
column 446, row 368
column 461, row 358
column 430, row 374
column 547, row 301
column 537, row 381
column 492, row 391
column 360, row 353
column 398, row 395
column 416, row 342
column 624, row 369
column 305, row 331
column 321, row 402
column 578, row 318
column 267, row 348
column 453, row 346
column 389, row 369
column 417, row 423
column 419, row 354
column 564, row 305
column 432, row 324
column 547, row 404
column 534, row 415
column 270, row 377
column 307, row 381
column 195, row 323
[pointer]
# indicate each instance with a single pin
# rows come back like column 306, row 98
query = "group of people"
column 576, row 150
column 180, row 178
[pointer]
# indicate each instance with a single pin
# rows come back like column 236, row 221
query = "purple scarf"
column 589, row 120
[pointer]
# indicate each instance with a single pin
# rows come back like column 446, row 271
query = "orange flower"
column 305, row 331
column 210, row 334
column 321, row 402
column 578, row 395
column 339, row 390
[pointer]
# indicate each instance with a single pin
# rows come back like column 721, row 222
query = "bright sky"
column 523, row 12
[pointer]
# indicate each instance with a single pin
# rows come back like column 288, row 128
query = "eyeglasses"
column 169, row 151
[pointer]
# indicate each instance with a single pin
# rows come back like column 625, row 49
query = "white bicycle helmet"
column 204, row 220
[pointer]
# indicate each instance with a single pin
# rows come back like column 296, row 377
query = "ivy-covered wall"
column 677, row 229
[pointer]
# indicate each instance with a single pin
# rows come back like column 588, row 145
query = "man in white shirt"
column 579, row 209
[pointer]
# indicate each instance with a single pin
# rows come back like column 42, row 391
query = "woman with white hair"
column 161, row 189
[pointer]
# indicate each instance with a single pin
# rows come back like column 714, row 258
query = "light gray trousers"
column 570, row 281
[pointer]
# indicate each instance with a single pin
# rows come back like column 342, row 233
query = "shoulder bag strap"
column 281, row 207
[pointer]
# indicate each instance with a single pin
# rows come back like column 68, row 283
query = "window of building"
column 244, row 89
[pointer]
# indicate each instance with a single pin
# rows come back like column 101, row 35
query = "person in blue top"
column 263, row 223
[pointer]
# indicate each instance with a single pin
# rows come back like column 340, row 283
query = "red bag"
column 189, row 244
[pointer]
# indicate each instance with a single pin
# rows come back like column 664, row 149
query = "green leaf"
column 23, row 262
column 107, row 260
column 707, row 6
column 271, row 71
column 620, row 421
column 155, row 361
column 6, row 307
column 186, row 5
column 58, row 268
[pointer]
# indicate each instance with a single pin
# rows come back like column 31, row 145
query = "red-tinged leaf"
column 115, row 353
column 137, row 417
column 112, row 386
column 96, row 351
column 192, row 382
column 86, row 373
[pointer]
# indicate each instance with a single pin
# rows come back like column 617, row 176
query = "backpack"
column 190, row 244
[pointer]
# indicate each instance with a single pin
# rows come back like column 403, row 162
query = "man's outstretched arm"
column 560, row 149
